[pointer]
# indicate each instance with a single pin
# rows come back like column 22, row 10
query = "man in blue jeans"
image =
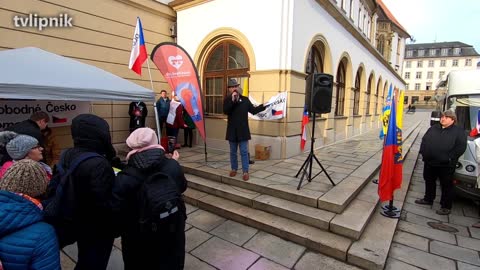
column 237, row 108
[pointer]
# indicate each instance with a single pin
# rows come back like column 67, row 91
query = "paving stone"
column 465, row 266
column 192, row 263
column 205, row 220
column 264, row 264
column 187, row 226
column 468, row 242
column 316, row 261
column 225, row 255
column 420, row 258
column 234, row 232
column 190, row 208
column 455, row 252
column 274, row 248
column 474, row 232
column 425, row 212
column 427, row 232
column 421, row 220
column 261, row 174
column 463, row 220
column 394, row 264
column 411, row 240
column 194, row 238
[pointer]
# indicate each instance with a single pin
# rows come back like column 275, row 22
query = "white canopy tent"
column 32, row 73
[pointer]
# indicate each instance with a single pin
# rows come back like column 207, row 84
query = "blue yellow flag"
column 386, row 113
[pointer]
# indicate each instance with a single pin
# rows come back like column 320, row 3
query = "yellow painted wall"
column 101, row 36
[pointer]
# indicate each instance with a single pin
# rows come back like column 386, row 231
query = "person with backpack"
column 87, row 192
column 26, row 241
column 148, row 194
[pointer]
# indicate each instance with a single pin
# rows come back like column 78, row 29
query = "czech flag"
column 305, row 121
column 392, row 159
column 139, row 51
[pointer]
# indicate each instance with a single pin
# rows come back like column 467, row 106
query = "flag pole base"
column 390, row 214
column 390, row 211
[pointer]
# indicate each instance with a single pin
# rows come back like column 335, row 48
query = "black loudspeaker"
column 318, row 93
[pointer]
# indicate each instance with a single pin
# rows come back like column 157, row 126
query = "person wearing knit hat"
column 164, row 247
column 25, row 176
column 27, row 241
column 21, row 147
column 143, row 139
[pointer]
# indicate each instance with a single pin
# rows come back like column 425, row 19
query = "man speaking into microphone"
column 237, row 108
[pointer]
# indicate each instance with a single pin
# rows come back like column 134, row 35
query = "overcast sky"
column 439, row 20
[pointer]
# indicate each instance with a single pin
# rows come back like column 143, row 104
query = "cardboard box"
column 262, row 152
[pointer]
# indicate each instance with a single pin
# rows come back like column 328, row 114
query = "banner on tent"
column 61, row 112
column 276, row 108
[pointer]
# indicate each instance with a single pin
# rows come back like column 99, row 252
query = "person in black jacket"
column 38, row 121
column 93, row 181
column 33, row 127
column 441, row 147
column 138, row 112
column 143, row 248
column 237, row 108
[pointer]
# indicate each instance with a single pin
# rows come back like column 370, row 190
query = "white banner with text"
column 61, row 112
column 276, row 108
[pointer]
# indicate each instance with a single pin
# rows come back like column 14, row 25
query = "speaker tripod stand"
column 307, row 165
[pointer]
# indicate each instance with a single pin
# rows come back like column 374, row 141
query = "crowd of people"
column 83, row 201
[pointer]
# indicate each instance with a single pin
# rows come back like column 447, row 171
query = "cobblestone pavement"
column 214, row 242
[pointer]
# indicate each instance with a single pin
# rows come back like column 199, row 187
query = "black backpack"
column 61, row 203
column 158, row 198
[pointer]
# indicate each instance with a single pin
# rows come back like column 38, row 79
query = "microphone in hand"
column 235, row 96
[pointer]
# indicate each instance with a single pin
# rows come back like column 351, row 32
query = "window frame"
column 241, row 74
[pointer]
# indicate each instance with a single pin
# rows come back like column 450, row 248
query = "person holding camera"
column 237, row 108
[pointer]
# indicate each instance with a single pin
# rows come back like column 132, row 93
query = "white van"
column 463, row 96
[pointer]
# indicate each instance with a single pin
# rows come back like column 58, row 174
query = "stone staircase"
column 328, row 219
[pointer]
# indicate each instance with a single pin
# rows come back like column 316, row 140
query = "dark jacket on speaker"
column 237, row 126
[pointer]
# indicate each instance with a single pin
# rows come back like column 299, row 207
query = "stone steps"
column 316, row 239
column 334, row 200
column 350, row 223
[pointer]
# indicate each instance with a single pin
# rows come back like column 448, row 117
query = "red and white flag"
column 139, row 51
column 305, row 121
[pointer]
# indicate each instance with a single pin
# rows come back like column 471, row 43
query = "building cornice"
column 152, row 7
column 178, row 5
column 333, row 10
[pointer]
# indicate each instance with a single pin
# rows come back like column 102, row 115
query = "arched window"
column 356, row 93
column 367, row 95
column 227, row 60
column 340, row 83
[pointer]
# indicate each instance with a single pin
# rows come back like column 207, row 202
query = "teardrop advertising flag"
column 181, row 74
